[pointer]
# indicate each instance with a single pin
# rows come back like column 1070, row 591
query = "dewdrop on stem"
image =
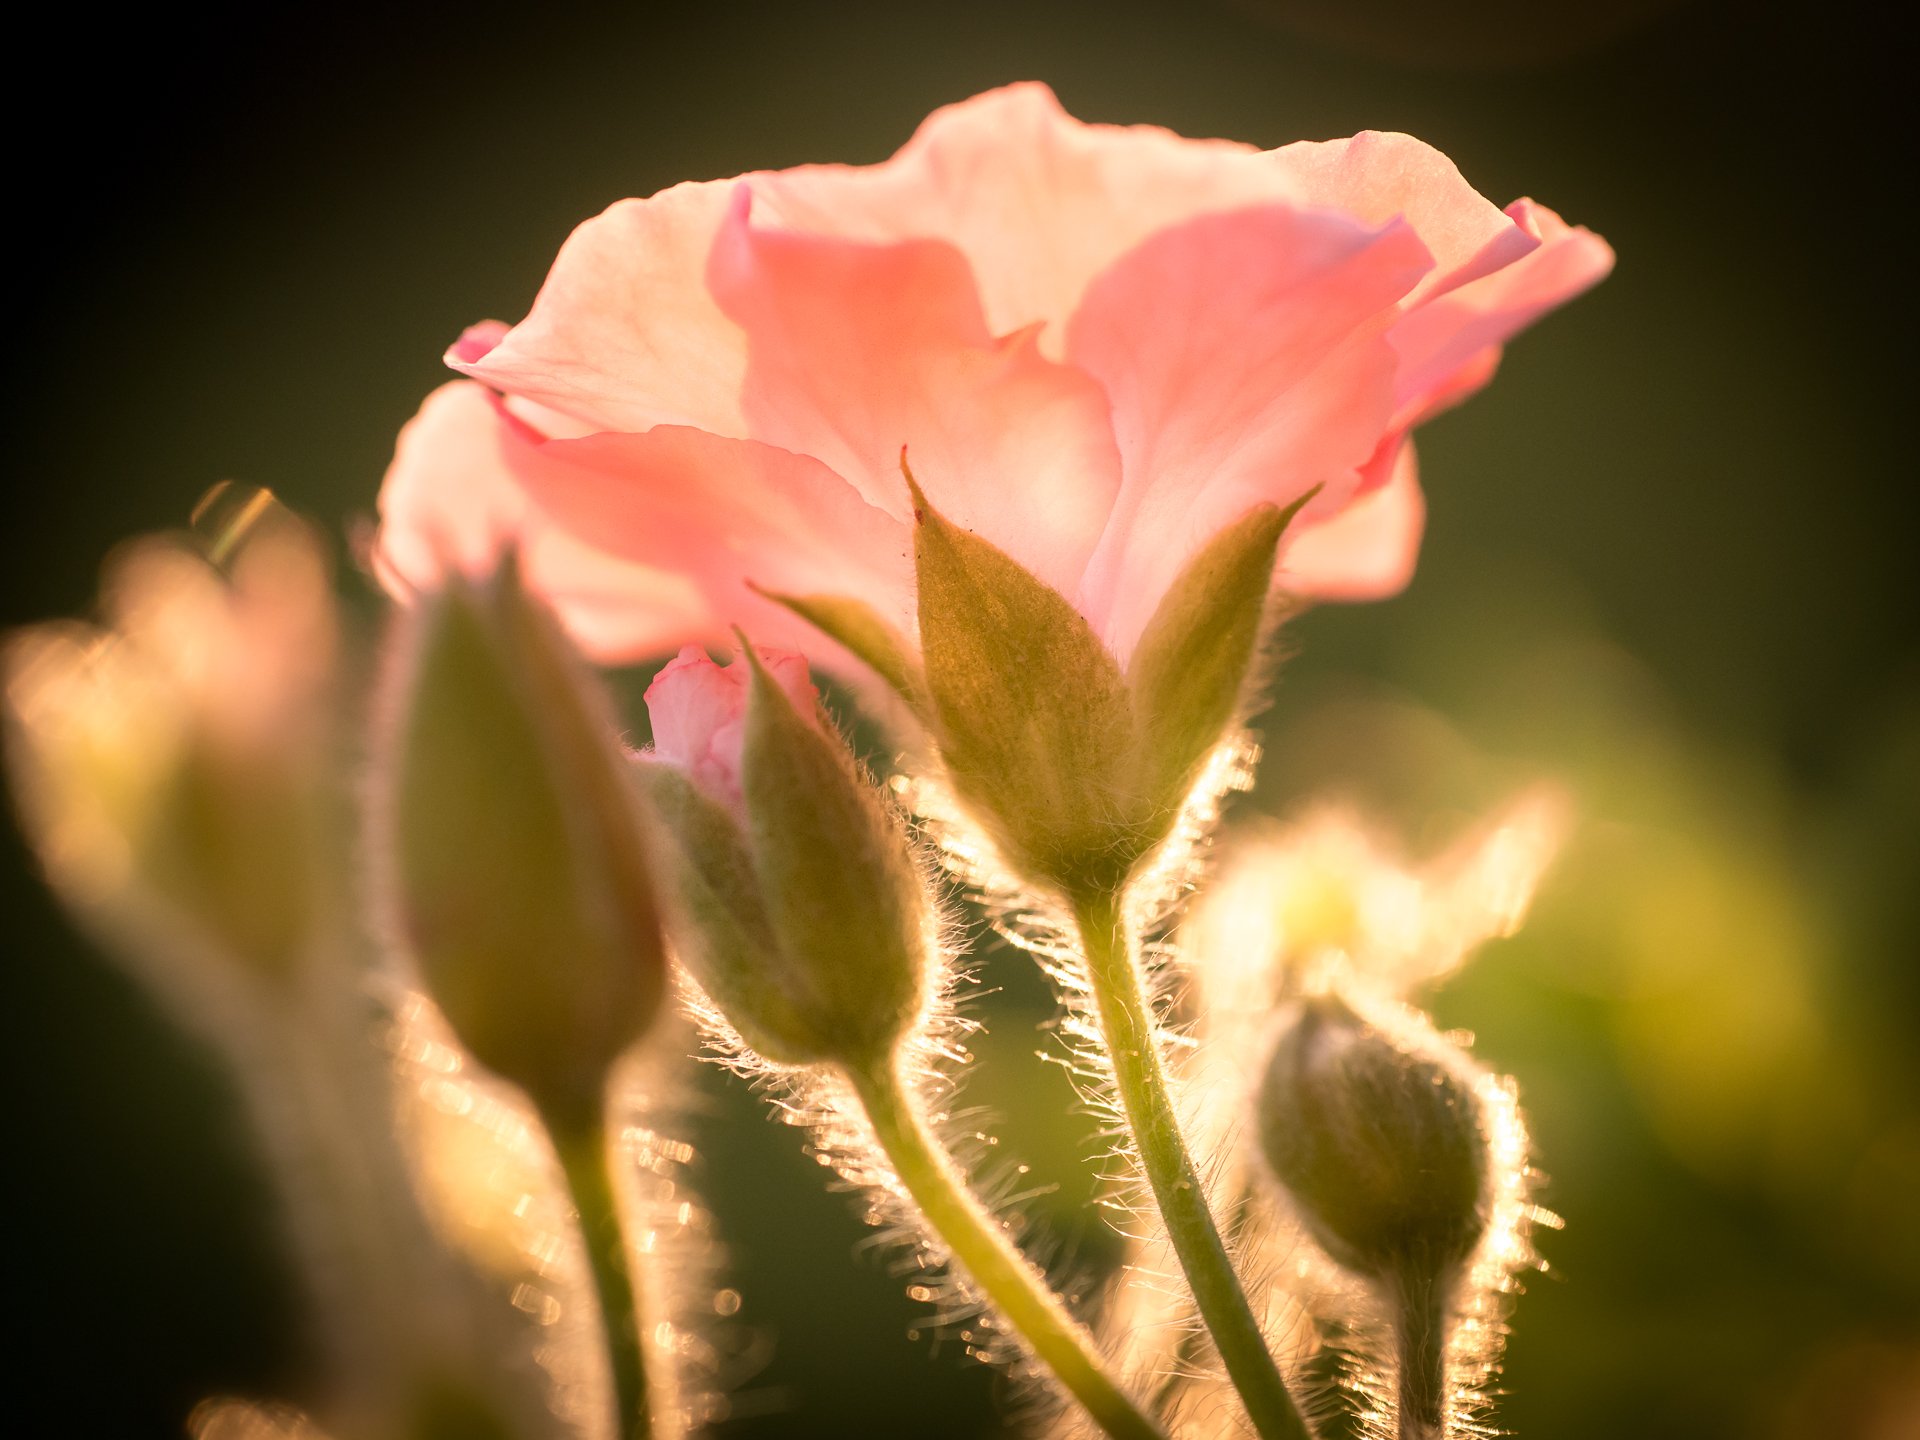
column 1384, row 1151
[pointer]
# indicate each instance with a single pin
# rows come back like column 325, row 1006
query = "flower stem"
column 1420, row 1335
column 586, row 1153
column 1127, row 1026
column 982, row 1248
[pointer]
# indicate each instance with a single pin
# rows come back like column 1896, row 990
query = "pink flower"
column 699, row 712
column 1098, row 345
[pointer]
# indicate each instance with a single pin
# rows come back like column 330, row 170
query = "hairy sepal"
column 870, row 637
column 841, row 888
column 720, row 924
column 1079, row 771
column 1189, row 673
column 1030, row 710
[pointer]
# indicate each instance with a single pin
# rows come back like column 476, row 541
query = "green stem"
column 1127, row 1026
column 586, row 1154
column 1420, row 1335
column 982, row 1248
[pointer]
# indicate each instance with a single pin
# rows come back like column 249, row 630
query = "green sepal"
column 864, row 631
column 838, row 879
column 516, row 861
column 1030, row 710
column 1190, row 668
column 722, row 931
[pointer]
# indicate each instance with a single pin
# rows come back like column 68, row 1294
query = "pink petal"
column 1246, row 357
column 624, row 335
column 688, row 702
column 1379, row 176
column 476, row 342
column 1260, row 321
column 726, row 514
column 1368, row 550
column 1448, row 346
column 699, row 709
column 1037, row 201
column 857, row 351
column 452, row 502
column 790, row 672
column 1041, row 203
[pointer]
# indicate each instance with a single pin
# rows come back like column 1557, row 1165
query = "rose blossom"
column 699, row 713
column 1098, row 345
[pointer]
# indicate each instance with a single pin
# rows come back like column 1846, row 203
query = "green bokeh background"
column 1669, row 563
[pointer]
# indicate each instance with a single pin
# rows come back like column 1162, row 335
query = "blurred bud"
column 1384, row 1150
column 802, row 912
column 515, row 861
column 170, row 765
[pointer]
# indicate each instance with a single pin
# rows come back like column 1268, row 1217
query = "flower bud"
column 516, row 869
column 1386, row 1152
column 1383, row 1150
column 170, row 767
column 699, row 714
column 801, row 910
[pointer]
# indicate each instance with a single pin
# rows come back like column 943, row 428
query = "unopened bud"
column 1383, row 1150
column 516, row 867
column 801, row 911
column 699, row 714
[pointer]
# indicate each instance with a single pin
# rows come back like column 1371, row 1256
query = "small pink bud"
column 699, row 712
column 798, row 904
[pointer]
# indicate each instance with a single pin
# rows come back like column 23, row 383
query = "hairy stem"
column 1127, row 1027
column 586, row 1155
column 980, row 1245
column 1420, row 1337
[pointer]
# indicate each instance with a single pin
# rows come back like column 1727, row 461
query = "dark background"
column 1669, row 562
